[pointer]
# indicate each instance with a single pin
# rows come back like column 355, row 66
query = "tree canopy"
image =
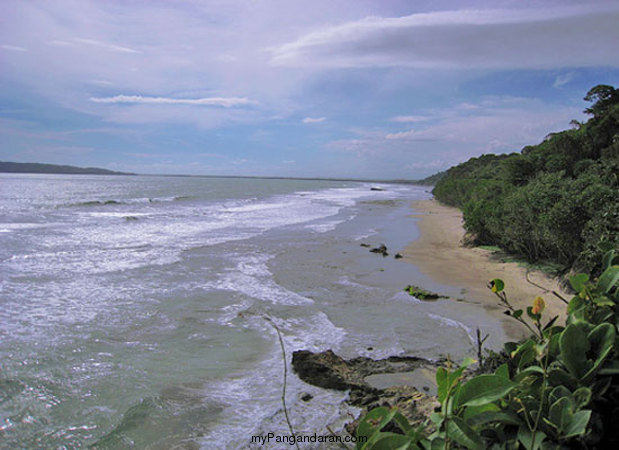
column 555, row 201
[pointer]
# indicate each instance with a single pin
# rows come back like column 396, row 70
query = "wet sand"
column 439, row 254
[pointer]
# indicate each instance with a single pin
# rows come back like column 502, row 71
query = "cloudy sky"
column 331, row 88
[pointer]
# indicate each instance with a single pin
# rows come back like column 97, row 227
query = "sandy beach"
column 439, row 253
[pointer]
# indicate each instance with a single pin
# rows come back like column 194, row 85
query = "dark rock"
column 422, row 294
column 381, row 249
column 398, row 256
column 306, row 397
column 376, row 189
column 365, row 245
column 326, row 370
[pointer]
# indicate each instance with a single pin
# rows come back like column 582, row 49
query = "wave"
column 445, row 321
column 131, row 201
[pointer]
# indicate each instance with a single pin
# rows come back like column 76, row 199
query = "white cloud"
column 496, row 39
column 401, row 135
column 563, row 79
column 226, row 102
column 409, row 119
column 106, row 45
column 496, row 124
column 13, row 48
column 314, row 119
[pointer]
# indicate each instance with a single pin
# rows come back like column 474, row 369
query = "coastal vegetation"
column 559, row 388
column 556, row 201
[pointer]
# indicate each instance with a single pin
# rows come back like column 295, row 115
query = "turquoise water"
column 134, row 309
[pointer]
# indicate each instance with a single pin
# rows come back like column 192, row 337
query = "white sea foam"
column 252, row 402
column 323, row 227
column 445, row 321
column 252, row 278
column 166, row 295
column 406, row 297
column 371, row 232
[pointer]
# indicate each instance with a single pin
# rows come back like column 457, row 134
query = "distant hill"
column 13, row 167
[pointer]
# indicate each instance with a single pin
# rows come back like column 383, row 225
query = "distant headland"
column 14, row 167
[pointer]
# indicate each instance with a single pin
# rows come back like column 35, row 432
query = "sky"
column 321, row 88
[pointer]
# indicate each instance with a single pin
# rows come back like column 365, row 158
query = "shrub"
column 556, row 388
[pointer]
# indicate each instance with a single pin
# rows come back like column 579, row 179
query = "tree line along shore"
column 555, row 203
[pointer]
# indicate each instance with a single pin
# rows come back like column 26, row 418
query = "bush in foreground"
column 558, row 389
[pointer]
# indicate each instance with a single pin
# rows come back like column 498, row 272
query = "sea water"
column 142, row 311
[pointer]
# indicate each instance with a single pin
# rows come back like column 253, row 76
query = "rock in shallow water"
column 330, row 371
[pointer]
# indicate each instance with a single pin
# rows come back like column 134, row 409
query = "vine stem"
column 555, row 293
column 281, row 343
column 543, row 392
column 506, row 303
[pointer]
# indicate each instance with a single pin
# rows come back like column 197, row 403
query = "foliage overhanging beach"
column 557, row 387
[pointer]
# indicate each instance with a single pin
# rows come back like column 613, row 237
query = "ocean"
column 139, row 311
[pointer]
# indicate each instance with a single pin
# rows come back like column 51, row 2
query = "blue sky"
column 357, row 88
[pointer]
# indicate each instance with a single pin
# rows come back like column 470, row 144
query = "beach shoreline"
column 438, row 252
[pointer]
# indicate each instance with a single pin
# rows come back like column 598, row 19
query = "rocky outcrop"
column 327, row 370
column 330, row 371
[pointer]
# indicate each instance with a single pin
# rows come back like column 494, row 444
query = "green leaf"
column 608, row 258
column 575, row 304
column 582, row 396
column 553, row 343
column 484, row 389
column 437, row 444
column 502, row 371
column 557, row 377
column 402, row 422
column 574, row 346
column 472, row 411
column 558, row 393
column 578, row 281
column 526, row 437
column 602, row 300
column 524, row 354
column 561, row 413
column 608, row 279
column 578, row 424
column 505, row 417
column 436, row 418
column 374, row 421
column 602, row 341
column 531, row 371
column 391, row 441
column 517, row 314
column 497, row 285
column 445, row 380
column 463, row 434
column 442, row 383
column 467, row 362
